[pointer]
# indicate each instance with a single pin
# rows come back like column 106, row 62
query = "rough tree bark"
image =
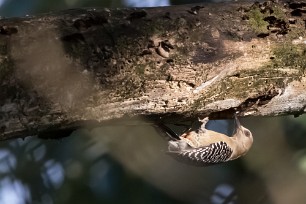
column 60, row 70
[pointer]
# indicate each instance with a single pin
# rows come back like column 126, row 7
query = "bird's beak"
column 237, row 121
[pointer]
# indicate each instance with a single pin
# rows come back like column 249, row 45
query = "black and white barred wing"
column 212, row 154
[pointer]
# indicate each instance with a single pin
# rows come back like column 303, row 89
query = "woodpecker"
column 206, row 147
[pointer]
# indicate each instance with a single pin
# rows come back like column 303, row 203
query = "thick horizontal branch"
column 60, row 70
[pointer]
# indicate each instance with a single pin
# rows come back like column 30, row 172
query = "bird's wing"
column 203, row 156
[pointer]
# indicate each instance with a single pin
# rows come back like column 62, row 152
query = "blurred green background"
column 25, row 7
column 128, row 164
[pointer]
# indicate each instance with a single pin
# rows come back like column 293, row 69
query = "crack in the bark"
column 257, row 101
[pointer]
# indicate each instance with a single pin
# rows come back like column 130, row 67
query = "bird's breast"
column 195, row 139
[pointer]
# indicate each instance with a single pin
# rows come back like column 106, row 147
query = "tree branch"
column 61, row 70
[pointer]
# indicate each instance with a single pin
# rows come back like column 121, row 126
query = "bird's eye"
column 247, row 133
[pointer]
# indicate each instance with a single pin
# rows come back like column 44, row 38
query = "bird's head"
column 243, row 134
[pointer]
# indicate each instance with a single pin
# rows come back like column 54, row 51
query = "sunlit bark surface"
column 79, row 67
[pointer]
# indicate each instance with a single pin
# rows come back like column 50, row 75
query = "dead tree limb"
column 60, row 70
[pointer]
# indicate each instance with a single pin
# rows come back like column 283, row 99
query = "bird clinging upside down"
column 206, row 147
